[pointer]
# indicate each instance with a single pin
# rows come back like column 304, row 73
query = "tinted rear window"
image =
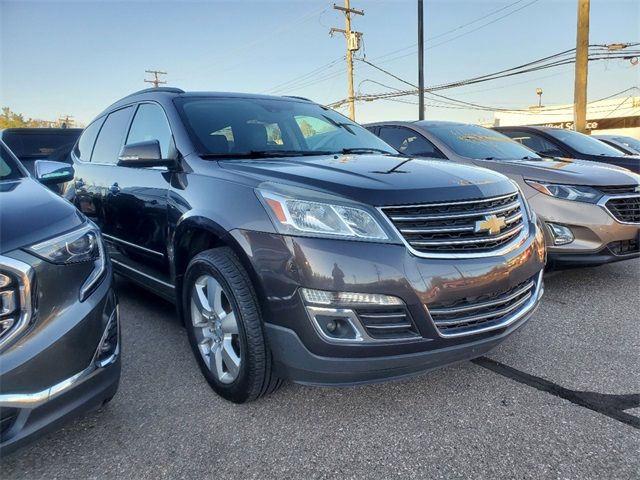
column 45, row 144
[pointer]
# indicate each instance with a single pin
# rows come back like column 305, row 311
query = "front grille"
column 459, row 227
column 486, row 312
column 387, row 322
column 625, row 209
column 9, row 303
column 618, row 189
column 625, row 247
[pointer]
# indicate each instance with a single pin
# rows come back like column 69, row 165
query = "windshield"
column 44, row 144
column 236, row 127
column 629, row 142
column 8, row 165
column 583, row 143
column 473, row 141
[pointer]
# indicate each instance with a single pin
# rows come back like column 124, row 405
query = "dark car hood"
column 378, row 179
column 30, row 213
column 567, row 170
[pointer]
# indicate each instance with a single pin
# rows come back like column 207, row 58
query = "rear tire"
column 224, row 326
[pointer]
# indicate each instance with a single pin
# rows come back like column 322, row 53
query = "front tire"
column 224, row 326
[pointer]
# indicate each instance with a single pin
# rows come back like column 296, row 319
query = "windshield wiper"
column 365, row 150
column 265, row 154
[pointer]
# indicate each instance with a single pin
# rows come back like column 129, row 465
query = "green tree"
column 9, row 119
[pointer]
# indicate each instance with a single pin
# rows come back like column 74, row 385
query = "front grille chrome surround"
column 16, row 314
column 489, row 313
column 450, row 229
column 623, row 208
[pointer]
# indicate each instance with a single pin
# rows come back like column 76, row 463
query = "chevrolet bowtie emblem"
column 491, row 224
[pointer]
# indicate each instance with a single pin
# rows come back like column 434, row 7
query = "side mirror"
column 49, row 172
column 143, row 154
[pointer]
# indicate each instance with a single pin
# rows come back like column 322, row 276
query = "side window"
column 150, row 123
column 313, row 127
column 111, row 136
column 535, row 142
column 409, row 142
column 87, row 140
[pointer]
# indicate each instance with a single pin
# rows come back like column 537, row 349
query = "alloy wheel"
column 216, row 328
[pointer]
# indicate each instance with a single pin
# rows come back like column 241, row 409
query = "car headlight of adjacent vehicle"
column 300, row 216
column 83, row 245
column 578, row 193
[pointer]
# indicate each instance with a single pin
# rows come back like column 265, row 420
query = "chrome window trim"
column 24, row 274
column 603, row 204
column 129, row 244
column 36, row 399
column 528, row 309
column 509, row 247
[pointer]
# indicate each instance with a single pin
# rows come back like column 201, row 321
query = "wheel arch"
column 197, row 233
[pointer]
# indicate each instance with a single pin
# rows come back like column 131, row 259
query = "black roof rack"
column 298, row 98
column 158, row 89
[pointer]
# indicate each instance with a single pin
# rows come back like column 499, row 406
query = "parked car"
column 557, row 142
column 59, row 333
column 299, row 246
column 31, row 144
column 627, row 145
column 591, row 211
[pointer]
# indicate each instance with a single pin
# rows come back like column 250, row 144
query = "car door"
column 136, row 211
column 409, row 142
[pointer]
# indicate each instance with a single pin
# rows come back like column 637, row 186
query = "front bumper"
column 598, row 237
column 280, row 265
column 54, row 370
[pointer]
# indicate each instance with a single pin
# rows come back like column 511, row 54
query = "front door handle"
column 115, row 188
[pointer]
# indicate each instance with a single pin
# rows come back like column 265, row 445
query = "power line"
column 561, row 58
column 456, row 29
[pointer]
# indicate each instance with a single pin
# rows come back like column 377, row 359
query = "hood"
column 30, row 213
column 563, row 170
column 378, row 180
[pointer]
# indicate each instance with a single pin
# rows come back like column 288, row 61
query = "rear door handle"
column 115, row 188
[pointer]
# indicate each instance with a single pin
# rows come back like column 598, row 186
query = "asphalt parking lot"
column 560, row 399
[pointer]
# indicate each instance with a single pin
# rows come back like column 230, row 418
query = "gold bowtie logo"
column 491, row 224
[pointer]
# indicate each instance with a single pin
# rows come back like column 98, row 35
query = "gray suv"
column 59, row 330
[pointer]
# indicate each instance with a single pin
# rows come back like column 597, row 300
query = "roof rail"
column 298, row 98
column 158, row 89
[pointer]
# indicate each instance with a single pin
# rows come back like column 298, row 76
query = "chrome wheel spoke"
column 229, row 324
column 202, row 306
column 205, row 350
column 230, row 358
column 214, row 296
column 219, row 362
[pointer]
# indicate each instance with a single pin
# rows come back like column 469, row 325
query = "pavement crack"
column 612, row 406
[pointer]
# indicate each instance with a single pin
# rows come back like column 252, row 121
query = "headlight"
column 579, row 193
column 300, row 216
column 83, row 245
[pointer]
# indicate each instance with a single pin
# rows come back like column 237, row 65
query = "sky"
column 78, row 57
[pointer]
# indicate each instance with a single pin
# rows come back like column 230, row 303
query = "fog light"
column 561, row 234
column 322, row 297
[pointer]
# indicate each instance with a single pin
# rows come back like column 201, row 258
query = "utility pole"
column 420, row 61
column 353, row 45
column 582, row 60
column 156, row 79
column 66, row 121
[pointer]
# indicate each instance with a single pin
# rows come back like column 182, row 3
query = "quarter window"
column 111, row 136
column 87, row 140
column 150, row 123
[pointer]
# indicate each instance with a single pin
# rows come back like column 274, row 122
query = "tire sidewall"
column 238, row 389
